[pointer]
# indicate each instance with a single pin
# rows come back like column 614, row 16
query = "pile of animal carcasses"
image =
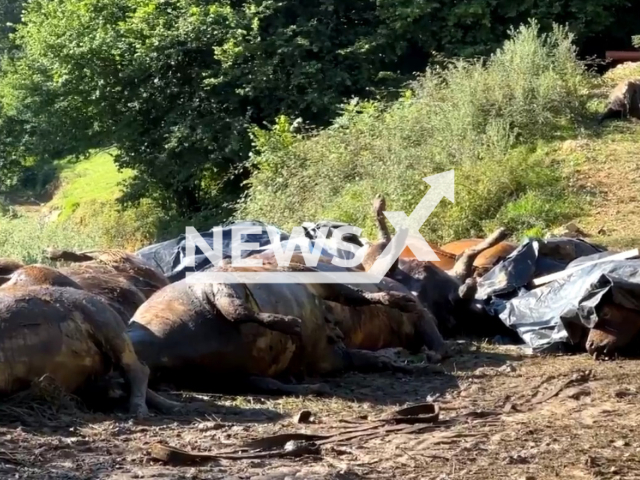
column 111, row 310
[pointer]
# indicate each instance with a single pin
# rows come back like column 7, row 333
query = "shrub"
column 175, row 85
column 485, row 119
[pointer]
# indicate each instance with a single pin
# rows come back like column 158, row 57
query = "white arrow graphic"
column 408, row 228
column 407, row 234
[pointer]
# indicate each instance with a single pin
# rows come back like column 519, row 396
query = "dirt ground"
column 503, row 414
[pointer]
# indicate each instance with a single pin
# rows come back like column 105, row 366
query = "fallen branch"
column 299, row 444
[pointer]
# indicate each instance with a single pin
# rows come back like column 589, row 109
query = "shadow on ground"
column 378, row 389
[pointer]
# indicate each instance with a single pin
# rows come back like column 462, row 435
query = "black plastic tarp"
column 534, row 258
column 537, row 315
column 171, row 256
column 551, row 313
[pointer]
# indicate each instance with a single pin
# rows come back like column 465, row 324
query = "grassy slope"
column 93, row 180
column 82, row 214
column 608, row 172
column 604, row 164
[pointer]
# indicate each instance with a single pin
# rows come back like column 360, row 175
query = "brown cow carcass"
column 68, row 334
column 617, row 330
column 449, row 294
column 438, row 290
column 8, row 266
column 120, row 293
column 624, row 101
column 486, row 260
column 448, row 254
column 145, row 277
column 204, row 334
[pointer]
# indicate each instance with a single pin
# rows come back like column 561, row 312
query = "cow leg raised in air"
column 235, row 309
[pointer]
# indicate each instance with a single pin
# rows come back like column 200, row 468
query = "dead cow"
column 616, row 330
column 449, row 253
column 70, row 335
column 8, row 266
column 221, row 334
column 624, row 101
column 486, row 260
column 131, row 268
column 121, row 294
column 449, row 295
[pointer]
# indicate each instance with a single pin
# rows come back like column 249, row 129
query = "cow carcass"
column 82, row 333
column 121, row 294
column 486, row 260
column 449, row 253
column 448, row 294
column 8, row 266
column 204, row 334
column 68, row 334
column 144, row 276
column 624, row 101
column 617, row 330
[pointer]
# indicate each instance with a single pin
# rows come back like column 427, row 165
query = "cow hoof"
column 296, row 326
column 600, row 345
column 139, row 411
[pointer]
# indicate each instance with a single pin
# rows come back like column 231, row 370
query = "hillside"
column 600, row 167
column 608, row 172
column 519, row 129
column 79, row 212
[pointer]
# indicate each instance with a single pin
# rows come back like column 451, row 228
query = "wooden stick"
column 564, row 273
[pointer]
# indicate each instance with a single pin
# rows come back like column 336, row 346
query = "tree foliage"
column 175, row 85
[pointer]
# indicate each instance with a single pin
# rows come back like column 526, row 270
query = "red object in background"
column 624, row 56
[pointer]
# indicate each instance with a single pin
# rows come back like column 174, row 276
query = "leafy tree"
column 175, row 85
column 10, row 12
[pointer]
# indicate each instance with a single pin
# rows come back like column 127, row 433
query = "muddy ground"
column 503, row 414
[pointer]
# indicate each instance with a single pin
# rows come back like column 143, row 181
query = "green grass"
column 82, row 214
column 25, row 238
column 95, row 180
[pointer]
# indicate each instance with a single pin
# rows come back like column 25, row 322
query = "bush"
column 175, row 85
column 484, row 119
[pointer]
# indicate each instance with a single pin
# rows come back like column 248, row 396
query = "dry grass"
column 606, row 171
column 584, row 432
column 622, row 72
column 610, row 174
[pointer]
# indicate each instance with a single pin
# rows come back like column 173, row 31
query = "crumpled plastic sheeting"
column 540, row 315
column 556, row 312
column 171, row 256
